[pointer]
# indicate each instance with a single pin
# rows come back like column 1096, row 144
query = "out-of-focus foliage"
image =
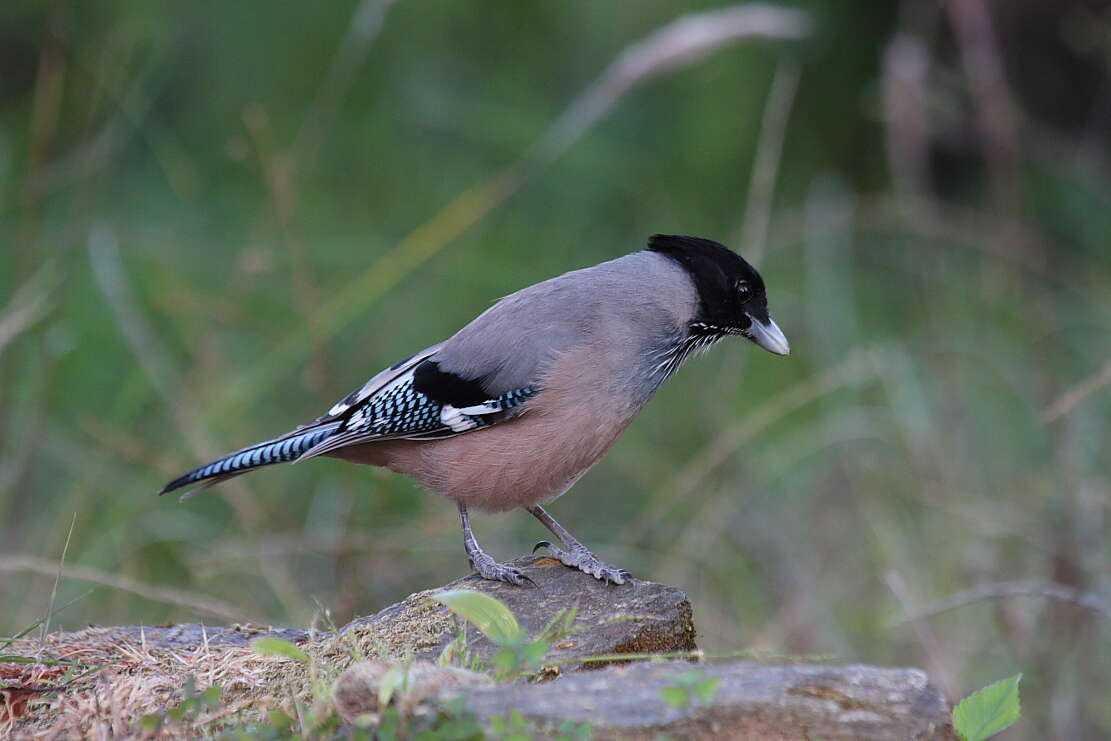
column 201, row 206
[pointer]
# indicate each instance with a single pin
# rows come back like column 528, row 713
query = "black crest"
column 730, row 291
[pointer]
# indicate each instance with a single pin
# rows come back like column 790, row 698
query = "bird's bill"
column 769, row 336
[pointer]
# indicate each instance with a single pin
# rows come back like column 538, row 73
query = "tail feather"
column 279, row 450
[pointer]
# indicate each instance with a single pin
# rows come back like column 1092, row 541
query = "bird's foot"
column 488, row 568
column 585, row 561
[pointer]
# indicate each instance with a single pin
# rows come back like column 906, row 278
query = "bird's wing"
column 375, row 384
column 414, row 400
column 482, row 375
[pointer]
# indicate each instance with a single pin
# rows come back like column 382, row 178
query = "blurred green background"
column 218, row 218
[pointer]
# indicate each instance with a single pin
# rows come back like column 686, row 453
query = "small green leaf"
column 211, row 696
column 486, row 613
column 394, row 679
column 270, row 646
column 389, row 726
column 983, row 714
column 149, row 723
column 456, row 706
column 675, row 696
column 178, row 712
column 517, row 721
column 706, row 689
column 533, row 653
column 506, row 661
column 568, row 731
column 278, row 720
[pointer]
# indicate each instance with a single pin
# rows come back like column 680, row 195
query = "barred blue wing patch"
column 398, row 410
column 505, row 401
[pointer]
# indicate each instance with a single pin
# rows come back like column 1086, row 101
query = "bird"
column 511, row 411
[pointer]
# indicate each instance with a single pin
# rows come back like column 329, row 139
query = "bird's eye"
column 743, row 290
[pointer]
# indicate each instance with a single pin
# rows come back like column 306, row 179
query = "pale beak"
column 769, row 336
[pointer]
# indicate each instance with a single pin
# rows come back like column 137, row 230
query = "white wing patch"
column 488, row 407
column 459, row 418
column 456, row 419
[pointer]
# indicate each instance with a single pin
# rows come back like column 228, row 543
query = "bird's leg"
column 577, row 556
column 483, row 563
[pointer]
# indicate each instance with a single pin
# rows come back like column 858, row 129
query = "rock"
column 142, row 670
column 355, row 692
column 635, row 617
column 191, row 635
column 749, row 701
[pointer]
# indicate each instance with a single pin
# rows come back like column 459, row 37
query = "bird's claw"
column 541, row 544
column 588, row 563
column 488, row 568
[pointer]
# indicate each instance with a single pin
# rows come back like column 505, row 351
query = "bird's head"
column 731, row 295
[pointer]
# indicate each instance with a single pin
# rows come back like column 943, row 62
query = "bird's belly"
column 526, row 461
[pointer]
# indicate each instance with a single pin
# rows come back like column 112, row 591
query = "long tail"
column 280, row 450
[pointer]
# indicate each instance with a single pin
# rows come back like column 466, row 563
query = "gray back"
column 625, row 308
